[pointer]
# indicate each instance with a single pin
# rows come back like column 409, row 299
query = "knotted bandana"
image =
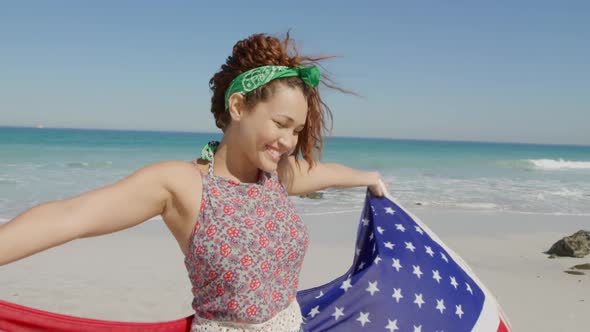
column 257, row 77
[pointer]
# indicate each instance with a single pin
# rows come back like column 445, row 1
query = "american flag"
column 403, row 278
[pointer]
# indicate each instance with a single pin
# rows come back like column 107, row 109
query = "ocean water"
column 38, row 165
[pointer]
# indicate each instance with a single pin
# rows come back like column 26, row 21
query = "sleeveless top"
column 246, row 252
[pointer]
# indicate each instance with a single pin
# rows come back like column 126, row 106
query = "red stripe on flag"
column 502, row 327
column 16, row 318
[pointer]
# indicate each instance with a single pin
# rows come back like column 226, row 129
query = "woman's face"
column 271, row 128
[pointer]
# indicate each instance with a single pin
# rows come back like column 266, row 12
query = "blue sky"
column 460, row 70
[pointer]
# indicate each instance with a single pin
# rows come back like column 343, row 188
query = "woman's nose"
column 287, row 142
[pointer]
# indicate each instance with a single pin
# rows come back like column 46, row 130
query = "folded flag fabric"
column 403, row 278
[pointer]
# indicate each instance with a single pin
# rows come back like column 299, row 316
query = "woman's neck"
column 231, row 164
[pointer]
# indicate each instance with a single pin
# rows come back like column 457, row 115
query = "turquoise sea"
column 38, row 165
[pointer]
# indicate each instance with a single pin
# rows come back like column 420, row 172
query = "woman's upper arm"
column 123, row 204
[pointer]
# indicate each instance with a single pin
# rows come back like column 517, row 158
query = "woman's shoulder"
column 176, row 174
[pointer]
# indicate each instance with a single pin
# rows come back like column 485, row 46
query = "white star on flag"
column 392, row 325
column 419, row 230
column 314, row 311
column 418, row 300
column 429, row 251
column 389, row 210
column 459, row 312
column 400, row 227
column 377, row 259
column 365, row 222
column 396, row 265
column 380, row 230
column 418, row 328
column 389, row 245
column 338, row 312
column 454, row 282
column 363, row 318
column 440, row 305
column 372, row 288
column 410, row 246
column 417, row 271
column 397, row 294
column 320, row 295
column 469, row 288
column 346, row 284
column 436, row 276
column 444, row 257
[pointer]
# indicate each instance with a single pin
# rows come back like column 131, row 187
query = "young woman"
column 244, row 244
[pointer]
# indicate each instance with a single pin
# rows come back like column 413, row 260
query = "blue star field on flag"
column 402, row 279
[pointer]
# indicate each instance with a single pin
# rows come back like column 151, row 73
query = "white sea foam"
column 560, row 164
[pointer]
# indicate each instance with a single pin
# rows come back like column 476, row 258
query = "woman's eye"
column 279, row 124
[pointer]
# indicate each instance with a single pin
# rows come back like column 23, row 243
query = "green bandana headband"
column 257, row 77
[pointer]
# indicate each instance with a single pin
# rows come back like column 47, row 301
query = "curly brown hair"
column 260, row 50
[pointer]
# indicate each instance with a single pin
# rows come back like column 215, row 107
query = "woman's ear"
column 236, row 106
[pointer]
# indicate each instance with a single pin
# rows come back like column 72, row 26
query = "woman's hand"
column 376, row 185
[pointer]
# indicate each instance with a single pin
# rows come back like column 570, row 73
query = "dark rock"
column 575, row 245
column 578, row 273
column 315, row 195
column 551, row 256
column 585, row 266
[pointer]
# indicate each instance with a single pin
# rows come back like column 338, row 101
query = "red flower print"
column 253, row 192
column 295, row 283
column 280, row 252
column 294, row 233
column 249, row 222
column 252, row 310
column 263, row 241
column 264, row 266
column 270, row 226
column 228, row 276
column 203, row 204
column 225, row 250
column 277, row 272
column 220, row 290
column 280, row 215
column 263, row 199
column 232, row 305
column 208, row 315
column 265, row 297
column 254, row 284
column 260, row 212
column 275, row 296
column 200, row 250
column 213, row 275
column 269, row 184
column 211, row 230
column 236, row 200
column 294, row 218
column 215, row 192
column 233, row 232
column 228, row 210
column 246, row 261
column 285, row 281
column 292, row 256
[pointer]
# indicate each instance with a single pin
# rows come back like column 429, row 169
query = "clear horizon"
column 491, row 72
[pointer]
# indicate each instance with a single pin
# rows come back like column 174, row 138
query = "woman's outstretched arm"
column 126, row 203
column 299, row 179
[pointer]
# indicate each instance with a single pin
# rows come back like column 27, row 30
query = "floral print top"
column 246, row 250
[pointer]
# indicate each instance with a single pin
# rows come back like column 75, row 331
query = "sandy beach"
column 139, row 275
